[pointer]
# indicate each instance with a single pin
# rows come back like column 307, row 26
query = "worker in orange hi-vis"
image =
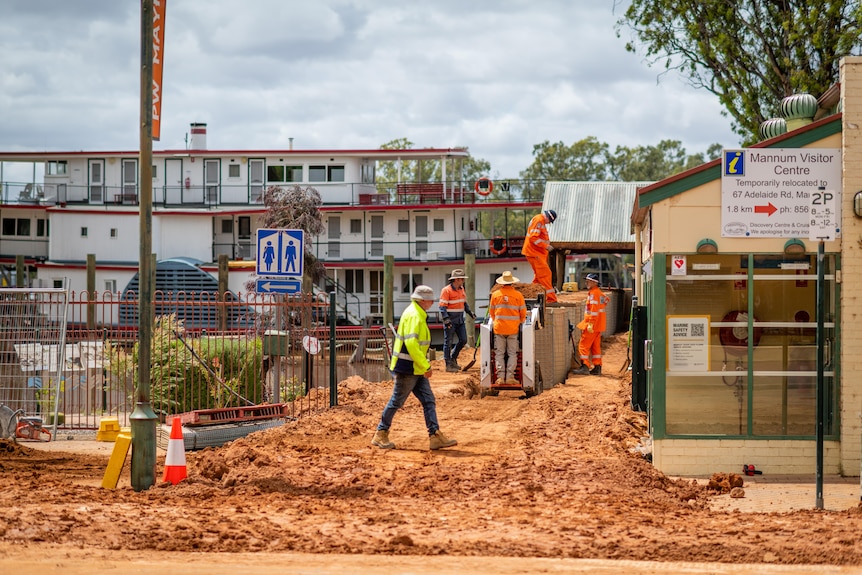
column 536, row 248
column 508, row 311
column 594, row 323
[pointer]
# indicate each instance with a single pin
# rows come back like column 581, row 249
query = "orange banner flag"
column 158, row 60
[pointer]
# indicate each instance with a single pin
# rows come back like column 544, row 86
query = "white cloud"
column 496, row 76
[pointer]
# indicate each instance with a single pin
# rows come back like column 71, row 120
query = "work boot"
column 583, row 370
column 511, row 381
column 451, row 366
column 381, row 439
column 438, row 441
column 597, row 370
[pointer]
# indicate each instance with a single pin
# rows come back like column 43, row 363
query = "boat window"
column 316, row 173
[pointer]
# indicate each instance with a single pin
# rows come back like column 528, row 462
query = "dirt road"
column 534, row 485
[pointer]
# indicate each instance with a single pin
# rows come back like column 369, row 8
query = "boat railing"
column 215, row 194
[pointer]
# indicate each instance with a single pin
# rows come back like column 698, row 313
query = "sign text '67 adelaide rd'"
column 769, row 192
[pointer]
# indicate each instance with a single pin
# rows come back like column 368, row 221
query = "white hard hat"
column 423, row 293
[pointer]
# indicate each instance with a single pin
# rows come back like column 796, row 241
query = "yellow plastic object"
column 118, row 459
column 109, row 428
column 570, row 286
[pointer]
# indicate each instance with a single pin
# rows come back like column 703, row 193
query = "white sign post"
column 768, row 192
column 824, row 219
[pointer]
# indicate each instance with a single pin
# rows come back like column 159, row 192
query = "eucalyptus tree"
column 749, row 53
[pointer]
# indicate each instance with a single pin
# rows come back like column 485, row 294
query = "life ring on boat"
column 498, row 245
column 484, row 186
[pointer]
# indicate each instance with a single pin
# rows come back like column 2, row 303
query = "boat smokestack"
column 199, row 137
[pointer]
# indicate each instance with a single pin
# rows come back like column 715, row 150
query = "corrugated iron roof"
column 591, row 215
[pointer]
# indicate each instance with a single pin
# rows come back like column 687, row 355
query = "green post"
column 333, row 382
column 143, row 419
column 223, row 271
column 820, row 401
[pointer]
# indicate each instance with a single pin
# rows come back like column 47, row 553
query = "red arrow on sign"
column 768, row 209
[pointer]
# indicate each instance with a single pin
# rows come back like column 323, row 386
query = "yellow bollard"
column 109, row 427
column 118, row 459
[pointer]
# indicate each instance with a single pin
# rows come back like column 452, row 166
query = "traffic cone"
column 175, row 461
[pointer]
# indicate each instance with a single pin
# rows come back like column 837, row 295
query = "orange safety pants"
column 542, row 276
column 590, row 348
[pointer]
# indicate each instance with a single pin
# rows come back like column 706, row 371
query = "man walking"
column 453, row 306
column 594, row 323
column 508, row 310
column 536, row 248
column 411, row 369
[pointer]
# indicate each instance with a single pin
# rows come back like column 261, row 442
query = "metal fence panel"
column 33, row 356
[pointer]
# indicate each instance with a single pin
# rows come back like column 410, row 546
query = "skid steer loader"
column 528, row 373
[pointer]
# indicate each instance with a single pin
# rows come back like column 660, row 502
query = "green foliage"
column 237, row 362
column 506, row 223
column 590, row 160
column 291, row 389
column 749, row 53
column 583, row 161
column 224, row 371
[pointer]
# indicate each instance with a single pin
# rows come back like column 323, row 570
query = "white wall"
column 68, row 244
column 182, row 236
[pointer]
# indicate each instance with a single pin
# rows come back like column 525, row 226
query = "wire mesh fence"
column 32, row 358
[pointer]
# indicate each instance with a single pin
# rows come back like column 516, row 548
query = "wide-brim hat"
column 457, row 275
column 423, row 293
column 507, row 279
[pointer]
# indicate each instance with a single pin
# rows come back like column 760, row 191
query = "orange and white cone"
column 175, row 461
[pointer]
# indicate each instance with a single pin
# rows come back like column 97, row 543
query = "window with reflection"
column 741, row 345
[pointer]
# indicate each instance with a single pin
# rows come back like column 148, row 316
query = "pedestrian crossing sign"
column 280, row 253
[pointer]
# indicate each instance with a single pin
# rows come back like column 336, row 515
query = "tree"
column 653, row 163
column 582, row 161
column 589, row 160
column 297, row 208
column 749, row 53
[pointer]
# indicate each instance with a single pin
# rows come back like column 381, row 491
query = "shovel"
column 475, row 349
column 628, row 361
column 575, row 357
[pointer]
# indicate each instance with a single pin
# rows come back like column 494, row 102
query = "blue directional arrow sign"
column 265, row 285
column 279, row 253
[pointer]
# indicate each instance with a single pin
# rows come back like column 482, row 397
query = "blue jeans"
column 459, row 328
column 405, row 385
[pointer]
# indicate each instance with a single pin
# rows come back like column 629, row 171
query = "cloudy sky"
column 497, row 76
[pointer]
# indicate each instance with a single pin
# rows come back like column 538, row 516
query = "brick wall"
column 851, row 273
column 703, row 457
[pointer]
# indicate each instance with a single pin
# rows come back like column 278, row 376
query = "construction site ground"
column 556, row 483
